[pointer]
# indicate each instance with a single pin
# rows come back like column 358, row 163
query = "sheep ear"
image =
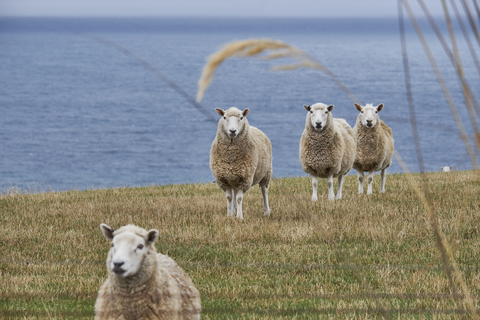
column 220, row 111
column 358, row 107
column 152, row 235
column 330, row 107
column 245, row 112
column 451, row 168
column 107, row 231
column 307, row 107
column 380, row 107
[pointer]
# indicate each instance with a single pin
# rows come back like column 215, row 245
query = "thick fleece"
column 159, row 290
column 374, row 146
column 240, row 162
column 328, row 152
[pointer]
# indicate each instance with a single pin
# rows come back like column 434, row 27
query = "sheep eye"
column 241, row 118
column 112, row 244
column 311, row 111
column 140, row 246
column 225, row 118
column 376, row 111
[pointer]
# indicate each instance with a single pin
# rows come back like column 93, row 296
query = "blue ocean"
column 78, row 114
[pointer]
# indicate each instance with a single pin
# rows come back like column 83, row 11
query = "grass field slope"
column 361, row 257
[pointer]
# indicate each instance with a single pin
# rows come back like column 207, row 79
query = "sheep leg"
column 369, row 181
column 234, row 202
column 361, row 178
column 230, row 204
column 266, row 208
column 315, row 187
column 382, row 183
column 239, row 198
column 340, row 186
column 331, row 194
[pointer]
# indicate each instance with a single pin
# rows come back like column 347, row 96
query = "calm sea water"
column 76, row 114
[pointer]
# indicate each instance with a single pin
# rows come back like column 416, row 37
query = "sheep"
column 240, row 157
column 142, row 284
column 374, row 145
column 446, row 169
column 327, row 148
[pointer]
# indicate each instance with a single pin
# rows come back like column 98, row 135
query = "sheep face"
column 233, row 121
column 128, row 251
column 369, row 114
column 319, row 115
column 446, row 169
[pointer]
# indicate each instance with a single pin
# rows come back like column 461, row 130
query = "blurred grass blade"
column 477, row 9
column 470, row 19
column 443, row 86
column 454, row 59
column 445, row 251
column 153, row 70
column 469, row 97
column 466, row 36
column 408, row 87
column 255, row 47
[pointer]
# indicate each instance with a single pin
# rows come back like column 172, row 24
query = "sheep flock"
column 142, row 284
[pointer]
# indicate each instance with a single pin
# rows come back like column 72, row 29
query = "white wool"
column 327, row 148
column 374, row 146
column 142, row 284
column 240, row 157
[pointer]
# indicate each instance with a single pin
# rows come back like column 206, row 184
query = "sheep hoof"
column 266, row 213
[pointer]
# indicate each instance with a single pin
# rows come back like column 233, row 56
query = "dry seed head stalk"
column 250, row 48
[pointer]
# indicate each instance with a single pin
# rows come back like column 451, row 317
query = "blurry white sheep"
column 142, row 284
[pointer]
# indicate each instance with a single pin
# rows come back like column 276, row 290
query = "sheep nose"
column 369, row 121
column 117, row 265
column 233, row 130
column 318, row 124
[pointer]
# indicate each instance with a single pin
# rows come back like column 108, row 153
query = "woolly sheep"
column 327, row 148
column 446, row 169
column 142, row 284
column 240, row 157
column 374, row 145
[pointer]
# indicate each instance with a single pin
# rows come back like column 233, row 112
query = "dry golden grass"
column 255, row 47
column 361, row 257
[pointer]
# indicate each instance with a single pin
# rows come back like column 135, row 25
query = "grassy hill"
column 364, row 256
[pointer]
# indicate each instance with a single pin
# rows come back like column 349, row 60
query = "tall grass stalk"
column 465, row 35
column 470, row 99
column 442, row 243
column 468, row 12
column 443, row 86
column 255, row 47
